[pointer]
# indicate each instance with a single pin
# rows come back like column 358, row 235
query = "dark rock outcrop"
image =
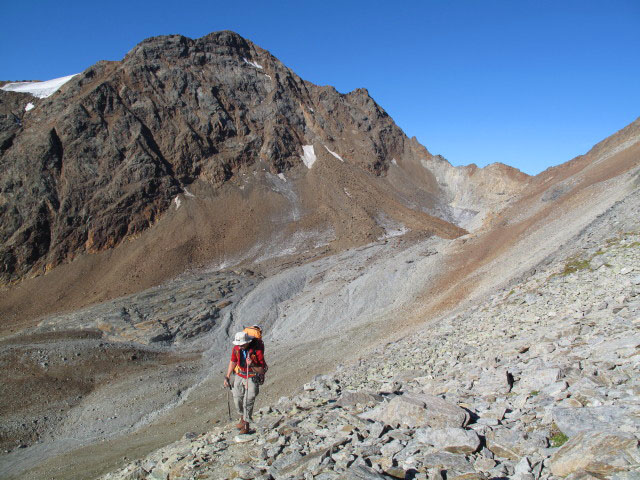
column 102, row 158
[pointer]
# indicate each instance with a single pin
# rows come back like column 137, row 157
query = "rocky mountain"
column 221, row 120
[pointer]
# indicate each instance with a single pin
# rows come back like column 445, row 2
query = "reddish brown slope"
column 335, row 205
column 556, row 205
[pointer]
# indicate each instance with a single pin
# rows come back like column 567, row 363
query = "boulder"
column 448, row 461
column 492, row 382
column 245, row 471
column 295, row 463
column 555, row 388
column 391, row 448
column 506, row 443
column 419, row 411
column 136, row 474
column 285, row 462
column 599, row 453
column 484, row 464
column 536, row 380
column 453, row 440
column 572, row 421
column 361, row 472
column 244, row 438
column 523, row 466
column 376, row 429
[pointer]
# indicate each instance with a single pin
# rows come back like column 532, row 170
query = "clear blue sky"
column 527, row 83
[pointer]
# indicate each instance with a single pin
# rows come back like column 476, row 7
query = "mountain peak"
column 118, row 144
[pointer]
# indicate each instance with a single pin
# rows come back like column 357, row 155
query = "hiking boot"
column 240, row 424
column 245, row 429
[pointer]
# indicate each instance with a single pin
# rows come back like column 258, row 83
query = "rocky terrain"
column 80, row 371
column 331, row 309
column 539, row 381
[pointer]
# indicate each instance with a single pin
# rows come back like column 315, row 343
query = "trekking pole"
column 228, row 404
column 246, row 390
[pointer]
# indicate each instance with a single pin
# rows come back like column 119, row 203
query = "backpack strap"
column 243, row 369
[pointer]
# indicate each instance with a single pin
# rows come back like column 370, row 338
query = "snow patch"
column 177, row 202
column 268, row 76
column 28, row 106
column 393, row 161
column 346, row 192
column 282, row 177
column 309, row 156
column 253, row 64
column 187, row 193
column 334, row 154
column 38, row 89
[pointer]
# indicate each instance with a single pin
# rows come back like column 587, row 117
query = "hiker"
column 246, row 363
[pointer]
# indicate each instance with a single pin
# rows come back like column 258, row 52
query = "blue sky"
column 527, row 83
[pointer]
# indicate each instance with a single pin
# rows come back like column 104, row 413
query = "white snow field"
column 309, row 156
column 38, row 89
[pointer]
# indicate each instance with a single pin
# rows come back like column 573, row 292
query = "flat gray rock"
column 572, row 421
column 448, row 461
column 418, row 411
column 362, row 472
column 495, row 381
column 353, row 398
column 537, row 380
column 506, row 443
column 453, row 440
column 600, row 453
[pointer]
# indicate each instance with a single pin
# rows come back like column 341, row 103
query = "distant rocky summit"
column 104, row 157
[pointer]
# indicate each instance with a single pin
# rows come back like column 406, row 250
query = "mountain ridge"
column 100, row 117
column 121, row 143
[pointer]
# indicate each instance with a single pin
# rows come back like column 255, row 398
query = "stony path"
column 538, row 382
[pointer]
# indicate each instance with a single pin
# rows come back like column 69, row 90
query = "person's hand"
column 226, row 383
column 249, row 360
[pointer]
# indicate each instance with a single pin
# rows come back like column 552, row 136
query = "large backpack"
column 257, row 344
column 255, row 331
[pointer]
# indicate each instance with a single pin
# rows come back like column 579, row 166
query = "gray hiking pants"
column 238, row 396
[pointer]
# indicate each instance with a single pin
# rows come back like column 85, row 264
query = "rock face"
column 104, row 157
